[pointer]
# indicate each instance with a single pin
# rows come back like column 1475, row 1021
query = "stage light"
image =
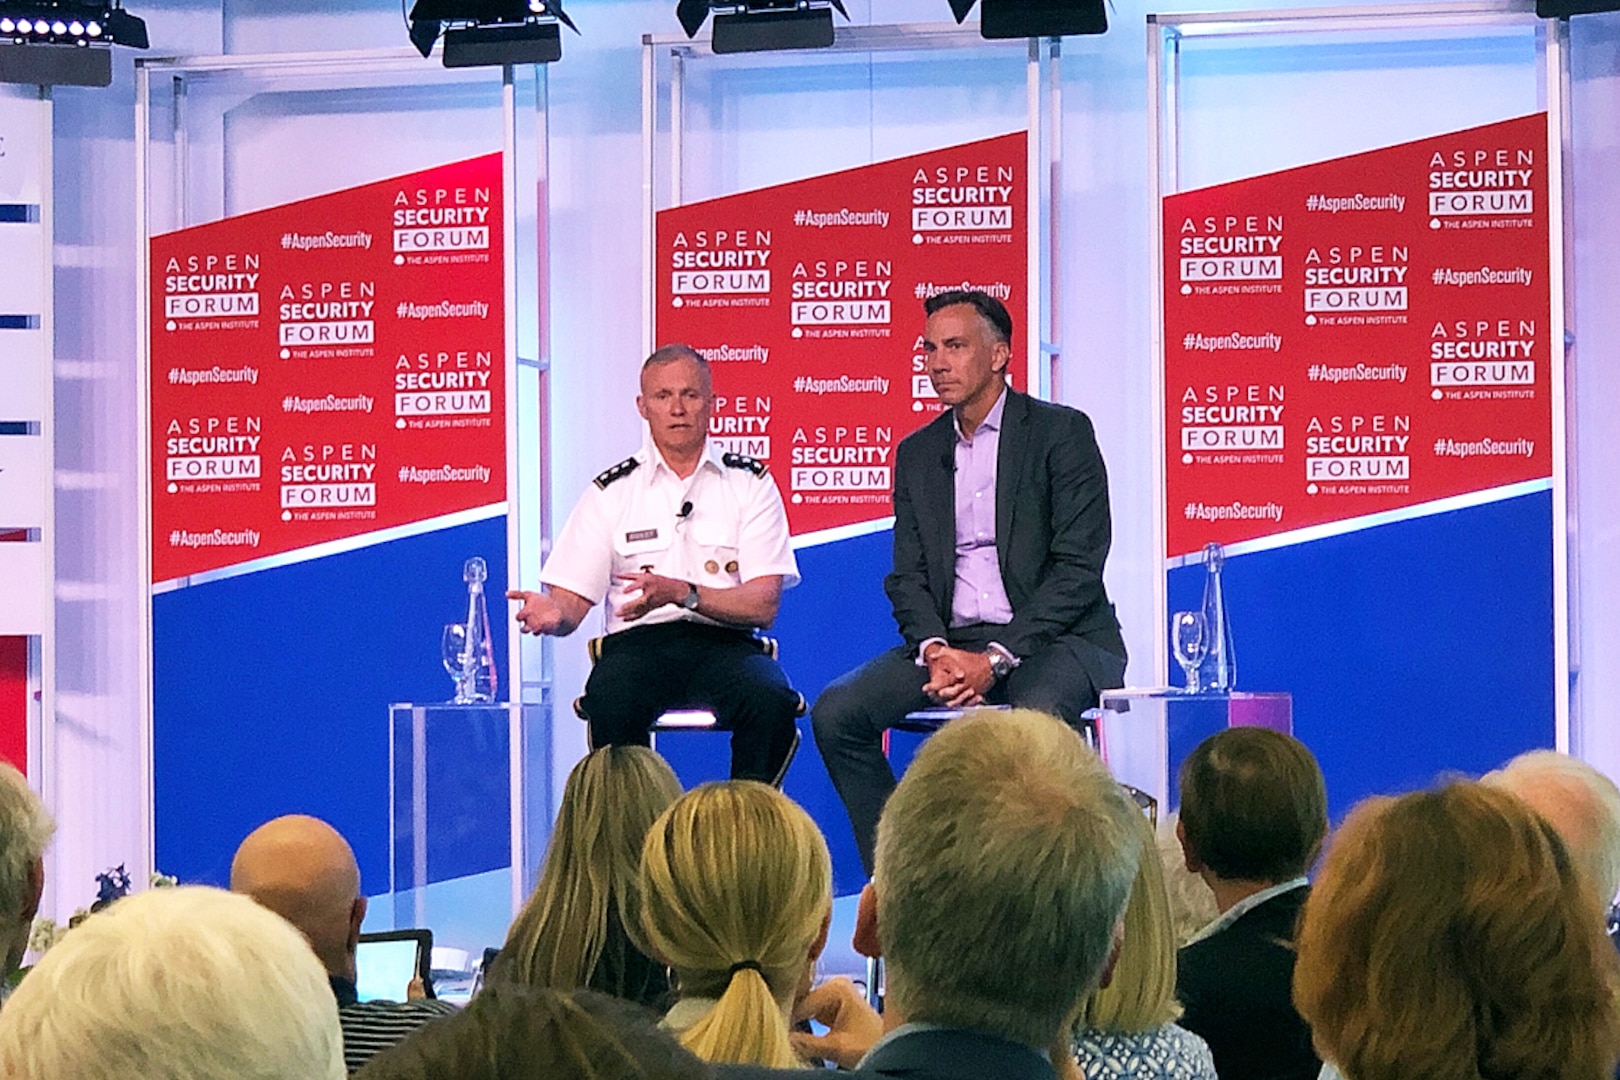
column 1563, row 9
column 480, row 33
column 64, row 42
column 1035, row 18
column 762, row 25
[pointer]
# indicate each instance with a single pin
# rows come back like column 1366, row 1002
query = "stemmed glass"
column 454, row 648
column 1189, row 635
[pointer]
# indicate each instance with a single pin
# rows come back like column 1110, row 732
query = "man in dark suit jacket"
column 996, row 905
column 1001, row 531
column 1253, row 816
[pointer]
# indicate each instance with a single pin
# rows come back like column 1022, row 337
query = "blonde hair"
column 1450, row 937
column 1142, row 994
column 188, row 983
column 736, row 888
column 1004, row 860
column 612, row 797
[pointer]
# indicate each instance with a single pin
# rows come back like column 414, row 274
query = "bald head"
column 302, row 869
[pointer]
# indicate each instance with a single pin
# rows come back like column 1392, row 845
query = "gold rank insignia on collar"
column 618, row 472
column 743, row 461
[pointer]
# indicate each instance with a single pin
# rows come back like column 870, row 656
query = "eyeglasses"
column 1144, row 802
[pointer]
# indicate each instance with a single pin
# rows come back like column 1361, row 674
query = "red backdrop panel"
column 807, row 299
column 328, row 368
column 14, row 701
column 1358, row 335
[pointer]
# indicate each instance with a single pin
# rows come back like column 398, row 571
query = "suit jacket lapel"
column 1010, row 452
column 937, row 506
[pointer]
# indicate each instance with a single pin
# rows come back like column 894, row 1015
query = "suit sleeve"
column 915, row 611
column 1071, row 580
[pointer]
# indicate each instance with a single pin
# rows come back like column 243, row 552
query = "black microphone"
column 686, row 508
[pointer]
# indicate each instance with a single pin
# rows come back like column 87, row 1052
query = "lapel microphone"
column 686, row 508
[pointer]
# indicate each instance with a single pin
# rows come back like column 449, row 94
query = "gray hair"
column 187, row 983
column 1004, row 861
column 1578, row 801
column 25, row 832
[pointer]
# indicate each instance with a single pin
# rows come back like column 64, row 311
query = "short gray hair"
column 25, row 832
column 187, row 983
column 1577, row 800
column 1004, row 861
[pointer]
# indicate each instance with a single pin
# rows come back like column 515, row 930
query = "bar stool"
column 702, row 719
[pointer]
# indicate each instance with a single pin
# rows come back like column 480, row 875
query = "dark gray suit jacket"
column 1052, row 529
column 940, row 1054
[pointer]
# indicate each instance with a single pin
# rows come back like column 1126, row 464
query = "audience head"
column 736, row 894
column 589, row 876
column 1253, row 806
column 25, row 832
column 303, row 870
column 1004, row 860
column 1449, row 936
column 186, row 983
column 1579, row 802
column 1141, row 995
column 516, row 1032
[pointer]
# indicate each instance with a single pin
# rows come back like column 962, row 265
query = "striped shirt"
column 373, row 1026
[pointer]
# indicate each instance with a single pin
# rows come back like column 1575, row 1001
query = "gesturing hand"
column 539, row 613
column 656, row 591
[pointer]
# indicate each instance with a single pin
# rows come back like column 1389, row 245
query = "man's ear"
column 34, row 890
column 866, row 925
column 1189, row 857
column 357, row 916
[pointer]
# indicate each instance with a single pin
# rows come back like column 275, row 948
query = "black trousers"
column 1063, row 679
column 645, row 671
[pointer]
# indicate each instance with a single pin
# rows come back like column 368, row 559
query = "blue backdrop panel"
column 1411, row 649
column 468, row 783
column 836, row 619
column 271, row 694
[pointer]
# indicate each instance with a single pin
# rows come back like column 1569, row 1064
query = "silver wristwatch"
column 690, row 600
column 1000, row 666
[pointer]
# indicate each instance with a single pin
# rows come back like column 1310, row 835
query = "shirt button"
column 984, row 596
column 978, row 494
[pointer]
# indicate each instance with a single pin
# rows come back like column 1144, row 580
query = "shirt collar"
column 713, row 455
column 1246, row 905
column 991, row 421
column 344, row 990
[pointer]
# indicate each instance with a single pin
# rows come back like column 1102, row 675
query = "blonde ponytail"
column 736, row 886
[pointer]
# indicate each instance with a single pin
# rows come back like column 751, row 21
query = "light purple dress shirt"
column 980, row 596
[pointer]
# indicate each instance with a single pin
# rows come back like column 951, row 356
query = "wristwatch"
column 1000, row 666
column 690, row 600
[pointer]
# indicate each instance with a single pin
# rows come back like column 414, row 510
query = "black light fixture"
column 483, row 33
column 64, row 42
column 762, row 25
column 1035, row 18
column 1563, row 9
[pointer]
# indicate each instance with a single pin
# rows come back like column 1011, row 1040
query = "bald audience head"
column 303, row 870
column 1580, row 803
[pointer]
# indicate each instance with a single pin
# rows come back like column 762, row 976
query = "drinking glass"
column 1189, row 635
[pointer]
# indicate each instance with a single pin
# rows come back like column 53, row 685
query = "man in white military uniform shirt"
column 690, row 547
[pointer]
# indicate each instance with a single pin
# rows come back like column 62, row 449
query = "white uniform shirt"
column 736, row 531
